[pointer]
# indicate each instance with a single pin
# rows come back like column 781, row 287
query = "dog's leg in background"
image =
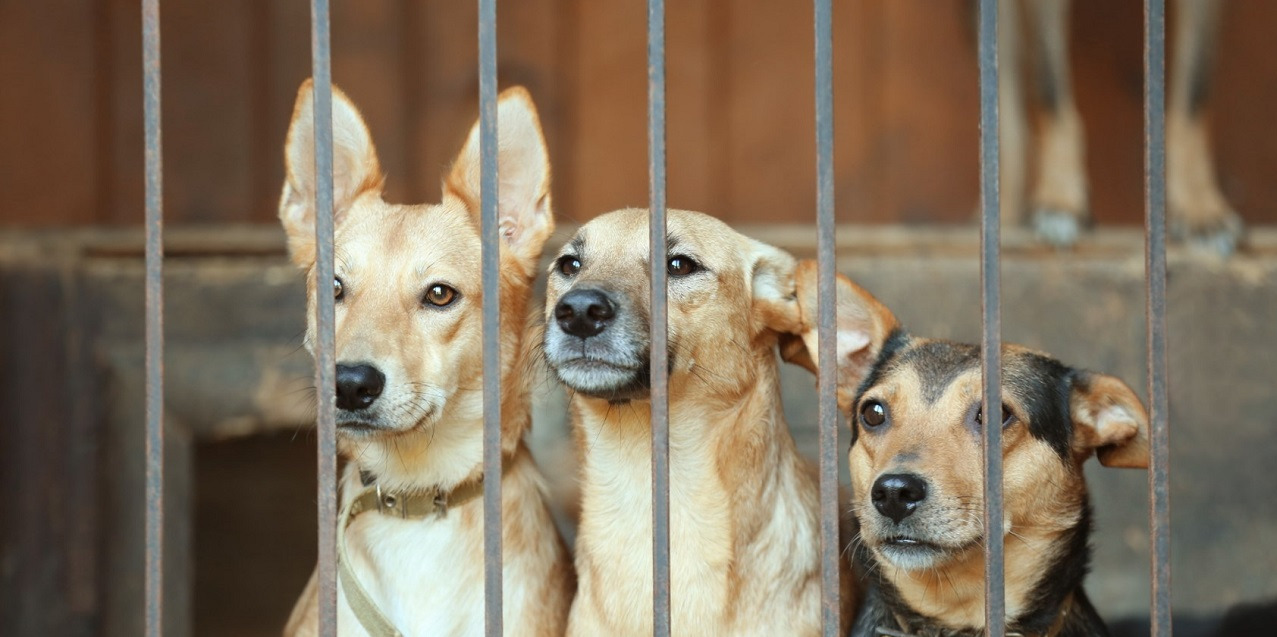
column 1013, row 120
column 1197, row 208
column 1059, row 201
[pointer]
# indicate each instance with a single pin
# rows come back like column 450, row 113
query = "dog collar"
column 407, row 504
column 413, row 504
column 1052, row 631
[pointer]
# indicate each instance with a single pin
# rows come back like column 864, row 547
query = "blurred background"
column 741, row 147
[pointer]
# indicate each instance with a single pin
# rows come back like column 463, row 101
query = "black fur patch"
column 1043, row 387
column 938, row 363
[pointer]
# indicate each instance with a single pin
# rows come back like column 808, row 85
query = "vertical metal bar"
column 991, row 339
column 660, row 321
column 154, row 577
column 830, row 553
column 491, row 261
column 1159, row 513
column 325, row 343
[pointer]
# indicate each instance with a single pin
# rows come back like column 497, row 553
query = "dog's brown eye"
column 873, row 413
column 337, row 289
column 440, row 295
column 569, row 265
column 680, row 265
column 1007, row 416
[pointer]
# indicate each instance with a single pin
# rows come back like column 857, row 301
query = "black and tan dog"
column 914, row 405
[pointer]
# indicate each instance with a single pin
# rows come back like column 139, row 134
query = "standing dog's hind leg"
column 1059, row 200
column 1197, row 209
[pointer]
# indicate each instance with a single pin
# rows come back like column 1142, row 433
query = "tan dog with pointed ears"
column 409, row 399
column 744, row 556
column 916, row 472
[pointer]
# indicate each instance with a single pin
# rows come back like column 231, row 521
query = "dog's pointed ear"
column 356, row 170
column 523, row 170
column 771, row 281
column 863, row 326
column 1109, row 419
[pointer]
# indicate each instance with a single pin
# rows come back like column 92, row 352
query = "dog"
column 744, row 556
column 409, row 372
column 917, row 480
column 1197, row 209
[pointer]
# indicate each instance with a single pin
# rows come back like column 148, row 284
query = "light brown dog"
column 917, row 475
column 743, row 523
column 409, row 399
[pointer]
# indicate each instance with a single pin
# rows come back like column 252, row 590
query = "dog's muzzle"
column 596, row 347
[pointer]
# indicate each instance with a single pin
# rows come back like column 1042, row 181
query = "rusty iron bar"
column 154, row 577
column 659, row 356
column 830, row 551
column 1159, row 505
column 490, row 255
column 991, row 321
column 325, row 339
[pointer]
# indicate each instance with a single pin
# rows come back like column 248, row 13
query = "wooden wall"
column 740, row 106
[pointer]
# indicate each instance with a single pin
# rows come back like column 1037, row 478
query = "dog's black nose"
column 584, row 312
column 897, row 495
column 358, row 386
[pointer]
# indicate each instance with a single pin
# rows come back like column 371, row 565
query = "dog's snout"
column 585, row 312
column 897, row 495
column 358, row 386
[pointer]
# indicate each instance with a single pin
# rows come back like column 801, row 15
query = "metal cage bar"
column 154, row 569
column 991, row 320
column 491, row 262
column 659, row 356
column 325, row 338
column 1159, row 506
column 830, row 551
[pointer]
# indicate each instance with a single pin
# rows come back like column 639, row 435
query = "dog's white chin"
column 915, row 558
column 594, row 378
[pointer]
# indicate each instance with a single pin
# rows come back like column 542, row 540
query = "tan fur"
column 1043, row 496
column 427, row 575
column 744, row 554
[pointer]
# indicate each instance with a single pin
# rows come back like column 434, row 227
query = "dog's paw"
column 1058, row 228
column 1218, row 235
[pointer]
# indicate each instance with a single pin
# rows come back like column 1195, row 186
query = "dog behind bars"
column 409, row 391
column 913, row 405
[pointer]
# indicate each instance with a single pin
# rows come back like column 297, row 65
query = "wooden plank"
column 47, row 141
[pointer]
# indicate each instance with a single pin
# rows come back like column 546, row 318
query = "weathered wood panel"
column 740, row 106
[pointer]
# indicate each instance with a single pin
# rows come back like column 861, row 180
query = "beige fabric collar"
column 408, row 505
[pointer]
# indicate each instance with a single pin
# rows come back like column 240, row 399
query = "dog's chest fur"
column 743, row 555
column 434, row 566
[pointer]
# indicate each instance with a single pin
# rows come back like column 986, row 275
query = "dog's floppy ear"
column 355, row 169
column 863, row 326
column 1109, row 419
column 523, row 171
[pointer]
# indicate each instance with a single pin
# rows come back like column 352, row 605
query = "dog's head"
column 723, row 290
column 914, row 408
column 407, row 287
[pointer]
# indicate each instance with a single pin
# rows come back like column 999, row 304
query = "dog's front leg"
column 1060, row 208
column 1198, row 210
column 1012, row 119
